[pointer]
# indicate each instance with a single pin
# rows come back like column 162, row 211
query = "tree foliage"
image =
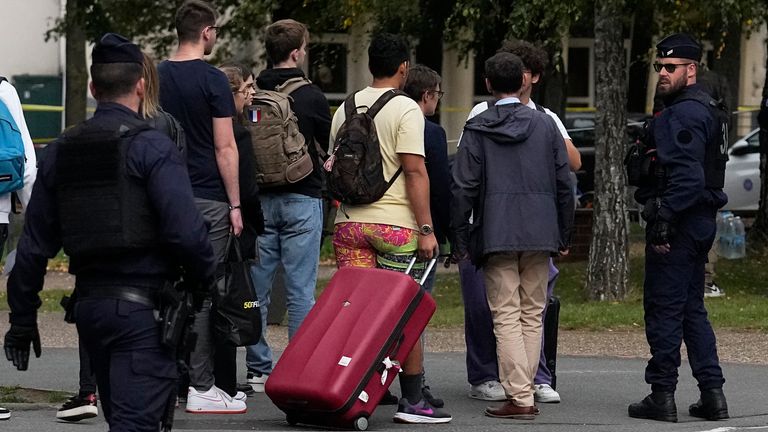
column 476, row 23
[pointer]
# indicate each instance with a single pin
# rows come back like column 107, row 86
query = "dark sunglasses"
column 669, row 67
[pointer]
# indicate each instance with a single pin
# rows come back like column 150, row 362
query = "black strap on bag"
column 236, row 313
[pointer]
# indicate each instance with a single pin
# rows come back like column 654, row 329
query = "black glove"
column 17, row 342
column 661, row 232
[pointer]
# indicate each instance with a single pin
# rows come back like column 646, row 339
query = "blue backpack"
column 11, row 152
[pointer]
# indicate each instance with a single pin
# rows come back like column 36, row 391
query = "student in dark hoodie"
column 293, row 213
column 511, row 174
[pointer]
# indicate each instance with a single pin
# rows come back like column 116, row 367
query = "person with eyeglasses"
column 198, row 95
column 423, row 86
column 681, row 195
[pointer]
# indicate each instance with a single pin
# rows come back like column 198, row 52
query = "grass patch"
column 742, row 308
column 16, row 394
column 50, row 299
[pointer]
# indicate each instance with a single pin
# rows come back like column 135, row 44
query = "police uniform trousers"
column 673, row 300
column 135, row 374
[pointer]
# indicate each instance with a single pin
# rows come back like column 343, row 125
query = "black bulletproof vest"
column 103, row 210
column 717, row 145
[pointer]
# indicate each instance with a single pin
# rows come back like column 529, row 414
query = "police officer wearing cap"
column 681, row 201
column 116, row 196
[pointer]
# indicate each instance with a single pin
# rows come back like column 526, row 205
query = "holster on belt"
column 176, row 315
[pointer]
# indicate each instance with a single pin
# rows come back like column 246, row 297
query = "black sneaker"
column 420, row 412
column 79, row 407
column 4, row 414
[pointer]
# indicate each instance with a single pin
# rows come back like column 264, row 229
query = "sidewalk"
column 595, row 392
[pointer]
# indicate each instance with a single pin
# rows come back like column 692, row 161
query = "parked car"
column 742, row 173
column 581, row 128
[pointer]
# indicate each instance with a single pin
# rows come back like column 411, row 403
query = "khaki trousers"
column 516, row 285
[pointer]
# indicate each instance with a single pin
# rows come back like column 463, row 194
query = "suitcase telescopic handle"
column 430, row 265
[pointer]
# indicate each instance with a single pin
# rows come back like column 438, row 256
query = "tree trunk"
column 76, row 74
column 728, row 65
column 608, row 268
column 758, row 235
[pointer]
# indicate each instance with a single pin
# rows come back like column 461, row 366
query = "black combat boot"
column 656, row 406
column 711, row 405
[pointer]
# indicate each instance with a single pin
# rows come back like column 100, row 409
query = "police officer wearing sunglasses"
column 115, row 194
column 681, row 193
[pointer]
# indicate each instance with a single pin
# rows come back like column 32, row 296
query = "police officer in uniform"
column 681, row 200
column 116, row 196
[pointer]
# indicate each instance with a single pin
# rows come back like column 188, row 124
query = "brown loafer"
column 510, row 410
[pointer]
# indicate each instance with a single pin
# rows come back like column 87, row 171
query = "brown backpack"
column 279, row 149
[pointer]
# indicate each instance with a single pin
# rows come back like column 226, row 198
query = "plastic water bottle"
column 739, row 243
column 725, row 241
column 718, row 231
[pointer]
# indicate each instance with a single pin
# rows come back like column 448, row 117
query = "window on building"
column 328, row 68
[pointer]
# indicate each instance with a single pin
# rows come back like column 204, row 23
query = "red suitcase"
column 348, row 350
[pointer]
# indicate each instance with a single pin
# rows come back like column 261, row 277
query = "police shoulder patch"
column 684, row 136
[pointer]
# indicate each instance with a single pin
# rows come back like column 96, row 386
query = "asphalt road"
column 595, row 392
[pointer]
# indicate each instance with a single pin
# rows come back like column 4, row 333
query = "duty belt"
column 143, row 296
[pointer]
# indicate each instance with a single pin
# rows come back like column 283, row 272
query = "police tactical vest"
column 102, row 209
column 717, row 145
column 643, row 168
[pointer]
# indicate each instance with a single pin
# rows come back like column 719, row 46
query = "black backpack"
column 355, row 169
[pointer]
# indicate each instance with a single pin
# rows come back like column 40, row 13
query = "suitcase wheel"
column 361, row 423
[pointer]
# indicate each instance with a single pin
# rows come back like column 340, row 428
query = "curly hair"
column 534, row 58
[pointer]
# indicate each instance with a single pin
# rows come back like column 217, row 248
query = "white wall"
column 23, row 49
column 753, row 51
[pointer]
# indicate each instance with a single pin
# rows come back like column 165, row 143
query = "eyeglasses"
column 669, row 67
column 215, row 28
column 439, row 93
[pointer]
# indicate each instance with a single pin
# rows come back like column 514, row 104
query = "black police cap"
column 679, row 45
column 114, row 48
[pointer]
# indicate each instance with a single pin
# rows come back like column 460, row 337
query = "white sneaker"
column 213, row 401
column 257, row 381
column 544, row 393
column 489, row 391
column 713, row 290
column 4, row 414
column 240, row 396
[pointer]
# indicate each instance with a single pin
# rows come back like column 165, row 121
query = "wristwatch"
column 426, row 229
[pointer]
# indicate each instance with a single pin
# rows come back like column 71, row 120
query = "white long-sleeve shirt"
column 10, row 98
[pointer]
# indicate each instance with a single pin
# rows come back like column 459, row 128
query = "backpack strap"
column 349, row 106
column 292, row 85
column 539, row 108
column 382, row 100
column 373, row 110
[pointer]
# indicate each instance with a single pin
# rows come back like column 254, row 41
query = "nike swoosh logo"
column 428, row 411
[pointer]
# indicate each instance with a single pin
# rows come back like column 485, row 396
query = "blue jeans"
column 294, row 225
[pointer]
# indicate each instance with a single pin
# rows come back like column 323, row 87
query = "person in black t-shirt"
column 198, row 96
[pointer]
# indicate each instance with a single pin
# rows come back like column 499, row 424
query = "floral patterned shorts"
column 389, row 247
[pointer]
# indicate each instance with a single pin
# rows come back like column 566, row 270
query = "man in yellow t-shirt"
column 388, row 232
